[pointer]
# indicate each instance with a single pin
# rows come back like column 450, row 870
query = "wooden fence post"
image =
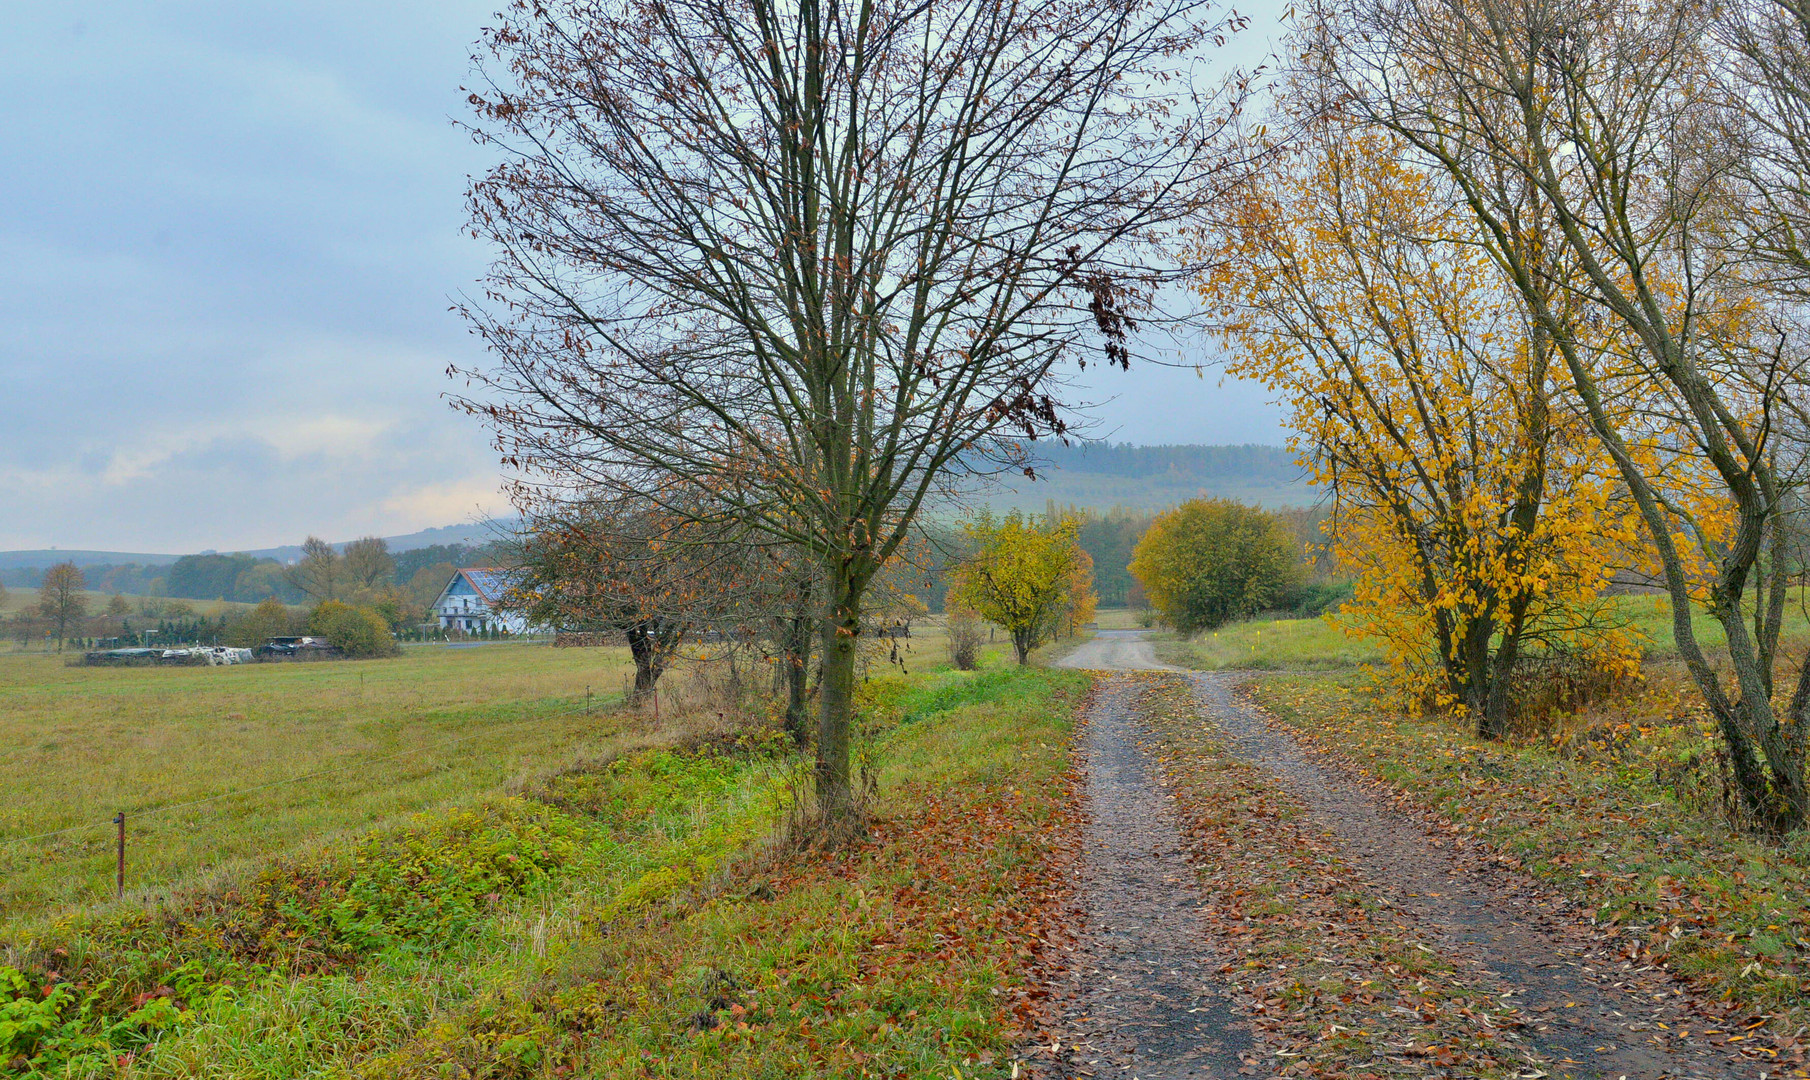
column 119, row 875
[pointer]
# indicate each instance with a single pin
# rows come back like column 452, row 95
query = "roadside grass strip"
column 1335, row 985
column 636, row 917
column 1616, row 821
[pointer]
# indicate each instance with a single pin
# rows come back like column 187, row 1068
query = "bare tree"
column 1767, row 86
column 366, row 564
column 625, row 566
column 1591, row 146
column 318, row 573
column 806, row 263
column 60, row 599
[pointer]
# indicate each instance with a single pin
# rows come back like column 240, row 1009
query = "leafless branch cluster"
column 796, row 268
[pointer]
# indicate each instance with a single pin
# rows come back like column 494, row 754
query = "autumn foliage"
column 1029, row 577
column 1479, row 516
column 1210, row 561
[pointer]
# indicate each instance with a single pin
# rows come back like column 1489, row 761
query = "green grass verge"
column 1269, row 645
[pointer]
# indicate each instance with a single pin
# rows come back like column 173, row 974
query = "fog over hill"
column 1106, row 475
column 1096, row 475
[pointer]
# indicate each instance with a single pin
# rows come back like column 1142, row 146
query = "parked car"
column 296, row 648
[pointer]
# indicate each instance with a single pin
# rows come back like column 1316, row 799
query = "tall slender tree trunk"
column 839, row 635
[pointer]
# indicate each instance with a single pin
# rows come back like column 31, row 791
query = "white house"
column 470, row 602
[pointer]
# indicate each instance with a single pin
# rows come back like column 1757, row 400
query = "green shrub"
column 1210, row 561
column 269, row 619
column 355, row 631
column 1312, row 599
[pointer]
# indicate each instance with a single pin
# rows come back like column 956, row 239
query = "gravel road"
column 1142, row 1000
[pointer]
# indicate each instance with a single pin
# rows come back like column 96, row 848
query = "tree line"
column 242, row 578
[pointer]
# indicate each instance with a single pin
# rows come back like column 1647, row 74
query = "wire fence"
column 121, row 818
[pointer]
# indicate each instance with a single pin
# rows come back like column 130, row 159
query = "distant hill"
column 1096, row 475
column 14, row 560
column 1105, row 475
column 470, row 535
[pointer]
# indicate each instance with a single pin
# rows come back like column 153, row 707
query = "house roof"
column 489, row 582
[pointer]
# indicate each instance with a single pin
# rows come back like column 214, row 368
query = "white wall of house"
column 462, row 606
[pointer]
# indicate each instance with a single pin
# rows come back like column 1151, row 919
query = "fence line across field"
column 122, row 817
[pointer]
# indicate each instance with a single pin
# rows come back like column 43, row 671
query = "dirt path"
column 1116, row 650
column 1144, row 1001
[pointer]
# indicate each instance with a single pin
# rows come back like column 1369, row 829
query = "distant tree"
column 1107, row 537
column 625, row 567
column 318, row 573
column 267, row 578
column 356, row 631
column 366, row 565
column 60, row 599
column 964, row 628
column 391, row 602
column 412, row 562
column 207, row 577
column 3, row 597
column 1027, row 577
column 117, row 606
column 1209, row 561
column 269, row 619
column 428, row 583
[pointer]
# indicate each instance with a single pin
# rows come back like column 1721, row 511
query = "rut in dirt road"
column 1142, row 1000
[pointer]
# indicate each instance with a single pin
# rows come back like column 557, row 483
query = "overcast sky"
column 229, row 235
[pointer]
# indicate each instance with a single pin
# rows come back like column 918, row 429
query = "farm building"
column 472, row 601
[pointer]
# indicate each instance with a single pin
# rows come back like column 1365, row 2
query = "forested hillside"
column 1106, row 475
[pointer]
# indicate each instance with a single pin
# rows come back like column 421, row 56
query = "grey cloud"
column 226, row 228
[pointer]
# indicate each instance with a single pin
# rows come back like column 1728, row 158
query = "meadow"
column 435, row 727
column 217, row 768
column 607, row 895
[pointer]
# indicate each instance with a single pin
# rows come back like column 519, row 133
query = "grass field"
column 1320, row 645
column 606, row 896
column 437, row 727
column 433, row 727
column 1263, row 644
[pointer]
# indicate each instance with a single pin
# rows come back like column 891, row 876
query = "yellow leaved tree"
column 1480, row 519
column 1029, row 577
